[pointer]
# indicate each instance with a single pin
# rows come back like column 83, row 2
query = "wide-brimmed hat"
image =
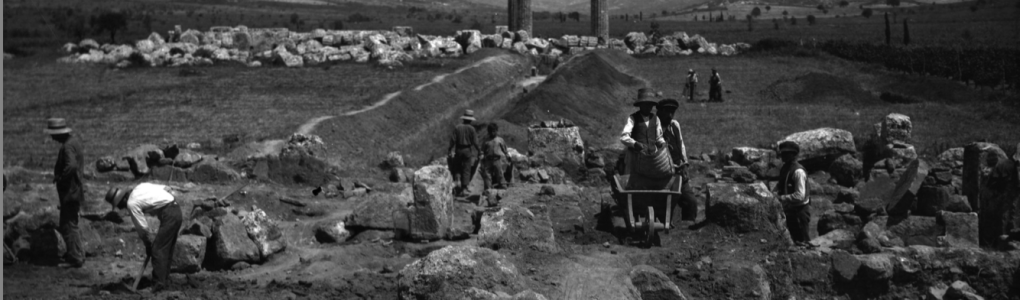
column 668, row 103
column 789, row 146
column 56, row 126
column 115, row 196
column 645, row 96
column 468, row 115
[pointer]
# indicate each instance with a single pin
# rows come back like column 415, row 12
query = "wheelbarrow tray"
column 652, row 199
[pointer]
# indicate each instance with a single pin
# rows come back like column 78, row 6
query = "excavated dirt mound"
column 417, row 121
column 593, row 90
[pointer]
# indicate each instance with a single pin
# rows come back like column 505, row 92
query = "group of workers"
column 714, row 86
column 465, row 154
column 647, row 136
column 142, row 199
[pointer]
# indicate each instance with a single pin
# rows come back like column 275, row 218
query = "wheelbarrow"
column 639, row 208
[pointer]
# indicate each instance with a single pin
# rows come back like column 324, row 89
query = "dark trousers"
column 691, row 87
column 492, row 172
column 166, row 240
column 797, row 221
column 688, row 204
column 69, row 230
column 715, row 93
column 462, row 166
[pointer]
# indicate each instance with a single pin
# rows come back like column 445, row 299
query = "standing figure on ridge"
column 715, row 87
column 69, row 177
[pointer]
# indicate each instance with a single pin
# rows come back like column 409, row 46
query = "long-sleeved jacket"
column 68, row 174
column 675, row 141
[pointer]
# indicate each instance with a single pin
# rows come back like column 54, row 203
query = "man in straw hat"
column 463, row 152
column 68, row 176
column 791, row 190
column 155, row 200
column 642, row 130
column 665, row 110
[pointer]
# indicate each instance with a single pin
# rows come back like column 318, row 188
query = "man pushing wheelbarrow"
column 649, row 178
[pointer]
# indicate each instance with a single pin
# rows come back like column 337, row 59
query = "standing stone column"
column 600, row 21
column 524, row 15
column 511, row 15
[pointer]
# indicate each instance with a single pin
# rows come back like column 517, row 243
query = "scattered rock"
column 450, row 272
column 517, row 228
column 746, row 156
column 896, row 128
column 820, row 147
column 836, row 239
column 846, row 170
column 961, row 229
column 845, row 265
column 264, row 232
column 231, row 242
column 876, row 267
column 433, row 202
column 556, row 147
column 376, row 211
column 745, row 208
column 394, row 160
column 653, row 284
column 547, row 191
column 186, row 159
column 189, row 254
column 331, row 232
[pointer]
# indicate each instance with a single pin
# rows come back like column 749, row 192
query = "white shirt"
column 627, row 128
column 799, row 193
column 678, row 143
column 147, row 198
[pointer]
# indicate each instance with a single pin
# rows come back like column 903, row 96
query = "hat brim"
column 782, row 150
column 468, row 118
column 57, row 131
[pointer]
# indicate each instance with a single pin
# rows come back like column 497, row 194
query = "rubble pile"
column 280, row 46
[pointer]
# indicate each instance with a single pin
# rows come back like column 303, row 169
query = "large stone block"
column 450, row 272
column 933, row 198
column 189, row 254
column 745, row 207
column 820, row 147
column 231, row 243
column 517, row 228
column 896, row 128
column 469, row 40
column 961, row 229
column 916, row 230
column 433, row 192
column 557, row 147
column 376, row 211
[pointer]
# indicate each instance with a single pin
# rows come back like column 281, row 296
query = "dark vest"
column 785, row 185
column 642, row 133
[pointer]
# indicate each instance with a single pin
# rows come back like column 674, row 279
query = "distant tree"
column 338, row 25
column 892, row 2
column 973, row 8
column 756, row 12
column 74, row 24
column 576, row 16
column 750, row 23
column 665, row 13
column 844, row 3
column 147, row 22
column 785, row 13
column 793, row 20
column 811, row 19
column 294, row 18
column 111, row 22
column 775, row 23
column 867, row 13
column 768, row 8
column 458, row 19
column 825, row 11
column 476, row 25
column 888, row 32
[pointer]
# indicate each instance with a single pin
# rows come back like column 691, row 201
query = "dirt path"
column 440, row 78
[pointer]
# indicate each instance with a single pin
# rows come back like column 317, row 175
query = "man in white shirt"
column 156, row 200
column 792, row 193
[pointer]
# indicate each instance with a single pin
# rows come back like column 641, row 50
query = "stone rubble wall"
column 280, row 46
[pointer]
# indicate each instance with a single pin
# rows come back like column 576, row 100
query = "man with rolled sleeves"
column 665, row 110
column 463, row 152
column 155, row 200
column 68, row 177
column 792, row 193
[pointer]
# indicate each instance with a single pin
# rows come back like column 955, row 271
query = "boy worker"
column 792, row 192
column 494, row 159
